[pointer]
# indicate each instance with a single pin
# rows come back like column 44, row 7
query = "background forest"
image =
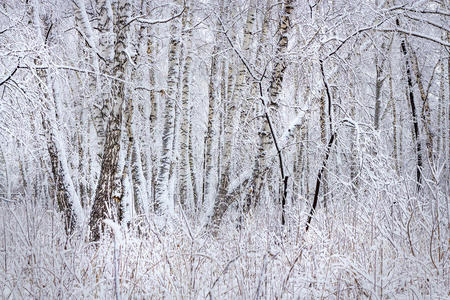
column 231, row 149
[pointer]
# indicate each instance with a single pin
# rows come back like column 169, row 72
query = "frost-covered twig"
column 10, row 75
column 117, row 241
column 416, row 34
column 261, row 276
column 141, row 18
column 225, row 270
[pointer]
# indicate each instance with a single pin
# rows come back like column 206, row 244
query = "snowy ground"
column 349, row 253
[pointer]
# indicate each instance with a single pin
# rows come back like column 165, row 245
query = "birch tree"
column 276, row 81
column 67, row 198
column 257, row 185
column 185, row 168
column 162, row 184
column 108, row 194
column 223, row 200
column 209, row 180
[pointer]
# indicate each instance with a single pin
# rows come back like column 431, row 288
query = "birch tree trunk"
column 354, row 150
column 260, row 161
column 85, row 158
column 191, row 161
column 108, row 194
column 68, row 202
column 185, row 168
column 106, row 48
column 276, row 84
column 152, row 170
column 299, row 163
column 280, row 60
column 209, row 165
column 323, row 139
column 242, row 75
column 394, row 121
column 67, row 198
column 162, row 183
column 379, row 66
column 223, row 200
column 138, row 158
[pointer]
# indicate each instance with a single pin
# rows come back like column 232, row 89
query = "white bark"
column 68, row 199
column 162, row 184
column 109, row 188
column 223, row 201
column 185, row 172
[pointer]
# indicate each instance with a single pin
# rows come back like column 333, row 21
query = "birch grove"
column 235, row 149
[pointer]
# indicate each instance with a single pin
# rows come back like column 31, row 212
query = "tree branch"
column 428, row 22
column 153, row 22
column 319, row 179
column 328, row 94
column 416, row 34
column 10, row 75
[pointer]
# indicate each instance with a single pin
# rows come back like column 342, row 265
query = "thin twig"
column 222, row 273
column 10, row 75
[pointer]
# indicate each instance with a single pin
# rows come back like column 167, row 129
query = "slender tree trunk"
column 299, row 165
column 162, row 183
column 125, row 209
column 85, row 30
column 185, row 172
column 68, row 202
column 242, row 76
column 323, row 139
column 425, row 112
column 106, row 48
column 319, row 179
column 67, row 198
column 276, row 85
column 139, row 183
column 412, row 103
column 379, row 80
column 152, row 170
column 394, row 122
column 257, row 186
column 209, row 179
column 354, row 161
column 223, row 200
column 378, row 86
column 137, row 162
column 280, row 61
column 191, row 161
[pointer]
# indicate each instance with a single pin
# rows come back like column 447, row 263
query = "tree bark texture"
column 109, row 188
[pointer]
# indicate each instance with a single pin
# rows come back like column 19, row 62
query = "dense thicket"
column 224, row 148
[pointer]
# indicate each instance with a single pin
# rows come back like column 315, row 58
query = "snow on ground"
column 349, row 253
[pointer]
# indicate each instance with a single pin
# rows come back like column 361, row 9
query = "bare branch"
column 10, row 75
column 141, row 18
column 424, row 11
column 416, row 34
column 428, row 22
